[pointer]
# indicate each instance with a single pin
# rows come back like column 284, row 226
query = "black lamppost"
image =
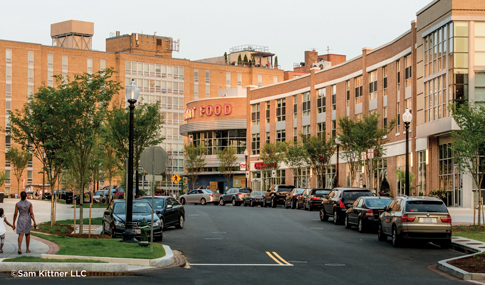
column 246, row 153
column 132, row 93
column 337, row 142
column 407, row 117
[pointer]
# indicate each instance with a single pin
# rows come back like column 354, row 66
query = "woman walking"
column 25, row 212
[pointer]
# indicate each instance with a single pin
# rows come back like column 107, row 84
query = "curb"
column 444, row 266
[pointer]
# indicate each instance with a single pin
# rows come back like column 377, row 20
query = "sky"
column 210, row 28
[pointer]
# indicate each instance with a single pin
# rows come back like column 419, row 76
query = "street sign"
column 154, row 160
column 176, row 178
column 370, row 153
column 242, row 166
column 247, row 174
column 273, row 173
column 363, row 155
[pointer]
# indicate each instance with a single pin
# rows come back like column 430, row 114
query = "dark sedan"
column 365, row 212
column 168, row 210
column 314, row 198
column 254, row 199
column 47, row 196
column 291, row 199
column 115, row 217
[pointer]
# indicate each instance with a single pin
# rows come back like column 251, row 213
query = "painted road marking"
column 218, row 232
column 277, row 258
column 207, row 264
column 213, row 238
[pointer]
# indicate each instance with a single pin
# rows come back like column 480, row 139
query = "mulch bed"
column 93, row 236
column 473, row 264
column 68, row 233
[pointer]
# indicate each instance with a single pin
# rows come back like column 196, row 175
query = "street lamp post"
column 132, row 93
column 246, row 153
column 337, row 142
column 407, row 117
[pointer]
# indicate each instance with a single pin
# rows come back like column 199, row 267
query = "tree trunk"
column 136, row 186
column 81, row 204
column 53, row 201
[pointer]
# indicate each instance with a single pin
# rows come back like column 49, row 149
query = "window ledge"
column 397, row 134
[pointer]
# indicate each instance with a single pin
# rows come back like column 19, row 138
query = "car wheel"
column 336, row 220
column 361, row 226
column 346, row 222
column 293, row 204
column 202, row 201
column 323, row 215
column 180, row 225
column 245, row 204
column 221, row 202
column 252, row 204
column 380, row 234
column 182, row 201
column 396, row 239
column 286, row 205
column 310, row 208
column 162, row 224
column 264, row 203
column 234, row 202
column 273, row 203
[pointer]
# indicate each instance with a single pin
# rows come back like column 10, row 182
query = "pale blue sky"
column 210, row 28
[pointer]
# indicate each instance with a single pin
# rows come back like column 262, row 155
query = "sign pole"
column 153, row 199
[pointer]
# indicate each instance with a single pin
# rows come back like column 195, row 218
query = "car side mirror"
column 169, row 206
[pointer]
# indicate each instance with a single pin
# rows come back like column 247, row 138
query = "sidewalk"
column 10, row 247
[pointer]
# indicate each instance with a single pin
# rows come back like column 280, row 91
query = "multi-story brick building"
column 439, row 60
column 24, row 67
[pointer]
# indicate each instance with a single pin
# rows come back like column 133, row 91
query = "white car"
column 200, row 196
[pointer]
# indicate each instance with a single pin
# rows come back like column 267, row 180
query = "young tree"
column 295, row 157
column 276, row 61
column 82, row 110
column 194, row 161
column 225, row 57
column 19, row 159
column 239, row 60
column 246, row 60
column 357, row 136
column 227, row 161
column 468, row 145
column 319, row 150
column 272, row 154
column 401, row 177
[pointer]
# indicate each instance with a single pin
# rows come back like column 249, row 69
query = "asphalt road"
column 229, row 245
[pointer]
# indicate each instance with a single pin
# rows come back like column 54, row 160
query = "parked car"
column 200, row 196
column 314, row 198
column 234, row 196
column 30, row 194
column 254, row 199
column 416, row 218
column 100, row 196
column 168, row 210
column 276, row 194
column 86, row 200
column 301, row 199
column 47, row 196
column 365, row 212
column 114, row 219
column 338, row 201
column 291, row 200
column 60, row 194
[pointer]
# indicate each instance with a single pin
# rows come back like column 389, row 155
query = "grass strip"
column 94, row 221
column 102, row 247
column 38, row 259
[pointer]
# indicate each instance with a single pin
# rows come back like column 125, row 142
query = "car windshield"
column 299, row 191
column 426, row 206
column 245, row 191
column 99, row 193
column 159, row 203
column 120, row 189
column 141, row 207
column 352, row 195
column 258, row 193
column 321, row 192
column 209, row 191
column 377, row 203
column 285, row 188
column 119, row 208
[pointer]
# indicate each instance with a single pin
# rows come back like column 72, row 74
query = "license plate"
column 137, row 232
column 428, row 220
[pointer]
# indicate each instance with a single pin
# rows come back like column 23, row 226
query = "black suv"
column 276, row 195
column 338, row 201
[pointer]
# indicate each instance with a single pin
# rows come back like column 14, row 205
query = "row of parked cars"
column 402, row 218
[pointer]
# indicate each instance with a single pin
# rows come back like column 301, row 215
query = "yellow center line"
column 281, row 258
column 272, row 257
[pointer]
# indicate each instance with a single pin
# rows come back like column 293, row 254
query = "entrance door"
column 256, row 185
column 457, row 188
column 220, row 185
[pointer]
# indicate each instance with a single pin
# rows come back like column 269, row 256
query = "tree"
column 401, row 177
column 225, row 57
column 82, row 110
column 468, row 144
column 19, row 159
column 276, row 61
column 194, row 161
column 227, row 161
column 246, row 60
column 148, row 123
column 295, row 157
column 357, row 136
column 319, row 150
column 253, row 59
column 272, row 154
column 239, row 60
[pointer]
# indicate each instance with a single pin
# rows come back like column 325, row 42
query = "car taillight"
column 341, row 205
column 315, row 198
column 257, row 199
column 210, row 195
column 446, row 220
column 369, row 213
column 239, row 194
column 296, row 195
column 406, row 219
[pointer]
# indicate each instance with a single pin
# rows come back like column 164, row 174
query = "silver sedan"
column 200, row 196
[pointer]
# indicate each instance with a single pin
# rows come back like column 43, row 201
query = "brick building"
column 24, row 67
column 440, row 59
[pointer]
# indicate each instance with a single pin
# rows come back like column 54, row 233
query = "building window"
column 239, row 79
column 215, row 141
column 334, row 128
column 295, row 134
column 384, row 81
column 196, row 91
column 255, row 144
column 422, row 172
column 328, row 178
column 281, row 110
column 30, row 58
column 306, row 131
column 459, row 64
column 306, row 104
column 267, row 112
column 358, row 89
column 373, row 85
column 479, row 43
column 255, row 114
column 401, row 165
column 7, row 141
column 295, row 105
column 334, row 97
column 268, row 137
column 280, row 136
column 302, row 178
column 321, row 100
column 7, row 173
column 90, row 66
column 260, row 80
column 407, row 104
column 65, row 63
column 408, row 70
column 447, row 172
column 102, row 64
column 275, row 79
column 322, row 128
column 207, row 91
column 384, row 116
column 207, row 77
column 196, row 75
column 7, row 190
column 29, row 177
column 435, row 102
column 228, row 80
column 398, row 69
column 8, row 56
column 480, row 86
column 347, row 91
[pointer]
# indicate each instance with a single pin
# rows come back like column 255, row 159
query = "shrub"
column 440, row 193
